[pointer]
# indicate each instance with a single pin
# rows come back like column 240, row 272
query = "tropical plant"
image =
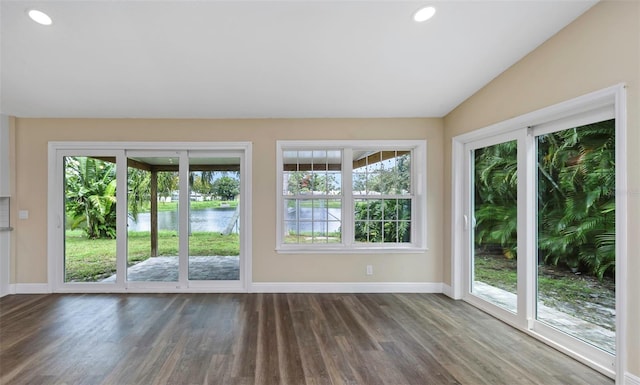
column 496, row 187
column 90, row 193
column 576, row 197
column 383, row 220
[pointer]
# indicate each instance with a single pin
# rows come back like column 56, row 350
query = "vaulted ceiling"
column 256, row 59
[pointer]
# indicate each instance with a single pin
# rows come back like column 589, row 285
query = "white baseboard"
column 272, row 287
column 345, row 287
column 30, row 288
column 630, row 379
column 447, row 290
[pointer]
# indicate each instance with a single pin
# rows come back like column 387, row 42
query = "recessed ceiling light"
column 424, row 14
column 39, row 17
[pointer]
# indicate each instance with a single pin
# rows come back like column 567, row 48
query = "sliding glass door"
column 90, row 217
column 540, row 218
column 155, row 219
column 494, row 222
column 576, row 232
column 214, row 217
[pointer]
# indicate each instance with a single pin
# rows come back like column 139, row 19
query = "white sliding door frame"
column 55, row 221
column 604, row 104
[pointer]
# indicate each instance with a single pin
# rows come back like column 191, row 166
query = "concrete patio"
column 581, row 329
column 165, row 269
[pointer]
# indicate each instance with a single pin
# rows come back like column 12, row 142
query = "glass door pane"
column 90, row 219
column 494, row 221
column 576, row 232
column 214, row 218
column 152, row 227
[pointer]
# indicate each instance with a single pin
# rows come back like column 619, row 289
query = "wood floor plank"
column 313, row 365
column 269, row 339
column 290, row 363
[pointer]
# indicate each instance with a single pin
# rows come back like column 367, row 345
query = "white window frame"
column 578, row 111
column 347, row 245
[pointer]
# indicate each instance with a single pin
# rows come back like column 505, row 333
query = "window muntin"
column 311, row 182
column 382, row 196
column 382, row 172
column 312, row 221
column 352, row 195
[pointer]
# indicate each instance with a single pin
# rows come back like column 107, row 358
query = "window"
column 355, row 195
column 312, row 196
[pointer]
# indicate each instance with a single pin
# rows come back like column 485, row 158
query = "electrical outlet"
column 369, row 269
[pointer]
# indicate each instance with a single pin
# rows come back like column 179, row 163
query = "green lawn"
column 193, row 205
column 500, row 272
column 88, row 260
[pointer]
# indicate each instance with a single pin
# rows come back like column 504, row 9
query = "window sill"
column 351, row 250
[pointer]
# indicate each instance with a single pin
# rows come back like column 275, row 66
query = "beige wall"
column 598, row 50
column 32, row 135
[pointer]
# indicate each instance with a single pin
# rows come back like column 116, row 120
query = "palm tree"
column 139, row 186
column 90, row 190
column 496, row 194
column 576, row 195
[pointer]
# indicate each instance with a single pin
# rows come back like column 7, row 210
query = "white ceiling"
column 255, row 59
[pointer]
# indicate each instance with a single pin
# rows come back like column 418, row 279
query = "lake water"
column 212, row 220
column 216, row 220
column 306, row 220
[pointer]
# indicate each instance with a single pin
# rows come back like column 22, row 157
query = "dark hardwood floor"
column 313, row 339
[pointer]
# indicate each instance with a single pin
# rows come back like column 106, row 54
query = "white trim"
column 588, row 117
column 600, row 360
column 122, row 211
column 580, row 104
column 159, row 146
column 54, row 185
column 346, row 287
column 622, row 195
column 184, row 206
column 30, row 288
column 630, row 379
column 459, row 221
column 448, row 290
column 339, row 249
column 246, row 206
